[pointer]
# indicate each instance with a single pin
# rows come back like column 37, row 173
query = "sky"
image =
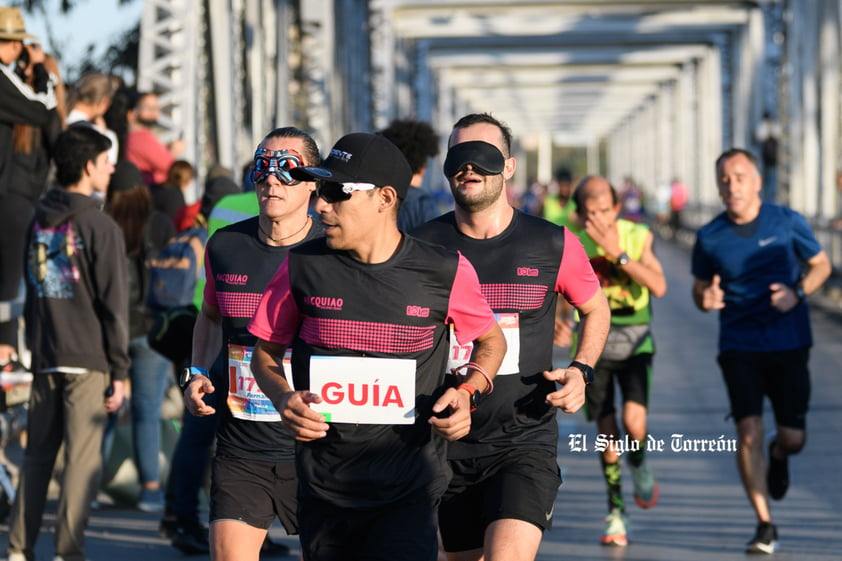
column 90, row 21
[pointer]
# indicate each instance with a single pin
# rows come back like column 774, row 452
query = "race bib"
column 364, row 390
column 510, row 324
column 245, row 399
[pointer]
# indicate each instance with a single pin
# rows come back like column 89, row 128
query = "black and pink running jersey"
column 324, row 303
column 521, row 272
column 238, row 266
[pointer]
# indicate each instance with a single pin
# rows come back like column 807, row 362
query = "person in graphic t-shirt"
column 367, row 311
column 506, row 468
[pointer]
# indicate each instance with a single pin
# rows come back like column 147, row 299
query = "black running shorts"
column 254, row 492
column 519, row 483
column 404, row 530
column 632, row 375
column 782, row 375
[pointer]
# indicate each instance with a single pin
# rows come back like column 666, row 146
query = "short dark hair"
column 563, row 174
column 74, row 148
column 476, row 118
column 731, row 152
column 416, row 139
column 139, row 95
column 311, row 149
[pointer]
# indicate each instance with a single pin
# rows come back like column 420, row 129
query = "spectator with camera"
column 19, row 104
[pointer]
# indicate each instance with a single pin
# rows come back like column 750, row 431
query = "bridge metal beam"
column 170, row 63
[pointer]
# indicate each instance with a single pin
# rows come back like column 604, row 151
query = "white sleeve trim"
column 48, row 98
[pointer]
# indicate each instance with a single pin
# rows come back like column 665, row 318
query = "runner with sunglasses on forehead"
column 253, row 476
column 505, row 475
column 367, row 311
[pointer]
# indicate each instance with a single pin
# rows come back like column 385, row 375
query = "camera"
column 22, row 63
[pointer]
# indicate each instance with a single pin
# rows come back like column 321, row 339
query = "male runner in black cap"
column 367, row 312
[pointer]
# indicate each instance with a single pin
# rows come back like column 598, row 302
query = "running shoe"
column 616, row 529
column 646, row 490
column 765, row 539
column 191, row 539
column 777, row 477
column 151, row 500
column 168, row 527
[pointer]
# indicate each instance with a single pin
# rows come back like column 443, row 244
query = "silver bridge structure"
column 647, row 89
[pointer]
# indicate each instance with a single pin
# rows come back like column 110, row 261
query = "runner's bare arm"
column 596, row 320
column 489, row 349
column 294, row 407
column 207, row 340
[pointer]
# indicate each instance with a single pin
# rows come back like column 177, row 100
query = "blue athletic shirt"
column 749, row 258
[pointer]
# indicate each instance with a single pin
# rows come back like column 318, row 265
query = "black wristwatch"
column 187, row 376
column 799, row 292
column 587, row 371
column 473, row 392
column 623, row 259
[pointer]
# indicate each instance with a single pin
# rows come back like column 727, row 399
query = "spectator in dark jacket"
column 19, row 104
column 77, row 328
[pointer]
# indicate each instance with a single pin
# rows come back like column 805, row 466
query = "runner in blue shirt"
column 756, row 263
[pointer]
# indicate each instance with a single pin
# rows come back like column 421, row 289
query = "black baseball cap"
column 484, row 157
column 361, row 157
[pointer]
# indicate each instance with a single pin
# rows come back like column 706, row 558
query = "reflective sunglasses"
column 277, row 163
column 333, row 192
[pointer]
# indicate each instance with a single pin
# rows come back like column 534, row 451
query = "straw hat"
column 11, row 24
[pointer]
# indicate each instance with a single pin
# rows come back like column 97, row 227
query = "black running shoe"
column 777, row 477
column 168, row 527
column 191, row 539
column 765, row 539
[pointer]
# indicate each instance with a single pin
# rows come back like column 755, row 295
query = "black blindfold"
column 485, row 158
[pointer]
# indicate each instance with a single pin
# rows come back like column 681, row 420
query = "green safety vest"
column 628, row 300
column 561, row 215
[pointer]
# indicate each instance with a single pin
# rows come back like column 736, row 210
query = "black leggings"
column 15, row 215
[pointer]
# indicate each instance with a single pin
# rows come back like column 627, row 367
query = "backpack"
column 171, row 334
column 173, row 274
column 174, row 271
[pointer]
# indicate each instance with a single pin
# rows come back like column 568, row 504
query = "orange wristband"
column 472, row 392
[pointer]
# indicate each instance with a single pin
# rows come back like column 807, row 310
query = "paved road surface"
column 702, row 515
